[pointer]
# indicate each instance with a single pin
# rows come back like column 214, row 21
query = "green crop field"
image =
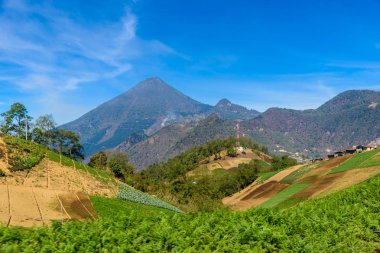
column 341, row 222
column 362, row 160
column 108, row 208
column 266, row 175
column 284, row 195
column 292, row 177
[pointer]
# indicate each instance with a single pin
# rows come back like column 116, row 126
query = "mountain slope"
column 149, row 106
column 174, row 139
column 350, row 118
column 227, row 110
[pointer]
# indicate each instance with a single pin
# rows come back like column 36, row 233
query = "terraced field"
column 291, row 186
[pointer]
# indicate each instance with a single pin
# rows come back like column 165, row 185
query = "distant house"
column 339, row 153
column 368, row 148
column 361, row 148
column 350, row 151
column 331, row 156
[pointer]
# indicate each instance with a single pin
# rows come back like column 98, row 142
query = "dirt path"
column 256, row 194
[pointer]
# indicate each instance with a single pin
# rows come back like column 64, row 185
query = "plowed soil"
column 256, row 194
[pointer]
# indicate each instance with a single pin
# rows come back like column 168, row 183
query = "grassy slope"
column 362, row 160
column 341, row 222
column 292, row 177
column 284, row 195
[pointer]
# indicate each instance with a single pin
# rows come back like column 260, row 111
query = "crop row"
column 128, row 193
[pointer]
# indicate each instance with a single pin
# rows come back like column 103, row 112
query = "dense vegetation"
column 171, row 181
column 23, row 154
column 341, row 222
column 115, row 162
column 17, row 122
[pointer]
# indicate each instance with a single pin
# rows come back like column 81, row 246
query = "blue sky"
column 67, row 57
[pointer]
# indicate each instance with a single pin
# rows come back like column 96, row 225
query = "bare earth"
column 256, row 194
column 48, row 192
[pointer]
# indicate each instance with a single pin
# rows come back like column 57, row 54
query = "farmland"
column 315, row 226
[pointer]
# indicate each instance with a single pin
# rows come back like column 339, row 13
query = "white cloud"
column 50, row 53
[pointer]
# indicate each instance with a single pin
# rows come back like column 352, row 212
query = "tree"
column 15, row 120
column 283, row 162
column 68, row 143
column 231, row 151
column 43, row 130
column 118, row 163
column 99, row 160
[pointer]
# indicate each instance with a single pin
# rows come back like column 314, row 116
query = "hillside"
column 337, row 124
column 350, row 118
column 177, row 138
column 302, row 182
column 38, row 186
column 341, row 222
column 147, row 107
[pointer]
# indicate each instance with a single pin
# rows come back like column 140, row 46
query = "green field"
column 266, row 175
column 341, row 222
column 362, row 160
column 109, row 208
column 292, row 177
column 284, row 195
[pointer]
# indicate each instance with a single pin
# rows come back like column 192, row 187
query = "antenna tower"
column 238, row 133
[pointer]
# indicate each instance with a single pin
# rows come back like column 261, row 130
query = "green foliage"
column 284, row 195
column 292, row 177
column 128, row 193
column 266, row 175
column 341, row 222
column 117, row 162
column 99, row 160
column 111, row 208
column 22, row 154
column 170, row 180
column 361, row 160
column 15, row 120
column 279, row 163
column 67, row 143
column 231, row 151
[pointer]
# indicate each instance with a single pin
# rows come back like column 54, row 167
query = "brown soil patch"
column 269, row 190
column 4, row 205
column 256, row 194
column 323, row 169
column 24, row 208
column 74, row 207
column 349, row 178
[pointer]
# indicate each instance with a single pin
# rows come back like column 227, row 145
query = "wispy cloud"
column 47, row 51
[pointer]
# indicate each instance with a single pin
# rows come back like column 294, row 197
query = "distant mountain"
column 352, row 117
column 227, row 110
column 176, row 138
column 147, row 107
